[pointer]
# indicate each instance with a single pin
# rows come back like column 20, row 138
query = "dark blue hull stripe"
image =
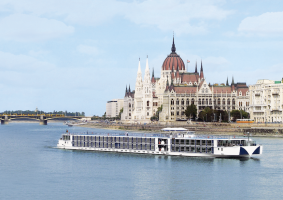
column 243, row 151
column 257, row 151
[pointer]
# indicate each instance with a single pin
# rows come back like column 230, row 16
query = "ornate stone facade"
column 176, row 89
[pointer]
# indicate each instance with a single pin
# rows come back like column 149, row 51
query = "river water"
column 32, row 168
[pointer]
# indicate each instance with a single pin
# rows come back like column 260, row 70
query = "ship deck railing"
column 123, row 134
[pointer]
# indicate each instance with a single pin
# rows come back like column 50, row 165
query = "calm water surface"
column 31, row 168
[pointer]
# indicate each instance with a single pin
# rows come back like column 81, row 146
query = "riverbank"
column 260, row 130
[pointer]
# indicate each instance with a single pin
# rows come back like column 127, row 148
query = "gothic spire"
column 167, row 83
column 152, row 72
column 227, row 84
column 126, row 89
column 146, row 66
column 129, row 88
column 139, row 69
column 201, row 69
column 196, row 69
column 232, row 80
column 173, row 49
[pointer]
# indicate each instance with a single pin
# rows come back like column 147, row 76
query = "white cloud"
column 22, row 27
column 270, row 23
column 89, row 50
column 181, row 16
column 22, row 63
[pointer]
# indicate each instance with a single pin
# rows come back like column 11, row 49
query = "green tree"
column 206, row 114
column 155, row 117
column 191, row 111
column 239, row 114
column 120, row 113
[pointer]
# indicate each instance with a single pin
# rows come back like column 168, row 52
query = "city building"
column 176, row 89
column 266, row 101
column 113, row 107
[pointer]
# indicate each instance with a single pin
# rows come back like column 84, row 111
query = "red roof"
column 173, row 60
column 186, row 89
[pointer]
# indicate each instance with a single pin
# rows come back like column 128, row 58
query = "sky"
column 75, row 55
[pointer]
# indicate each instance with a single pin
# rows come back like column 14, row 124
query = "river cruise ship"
column 174, row 141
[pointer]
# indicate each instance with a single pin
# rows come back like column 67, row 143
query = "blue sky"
column 76, row 55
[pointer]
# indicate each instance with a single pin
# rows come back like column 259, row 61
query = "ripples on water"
column 31, row 168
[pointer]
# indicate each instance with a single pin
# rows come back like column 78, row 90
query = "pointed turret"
column 196, row 68
column 152, row 78
column 201, row 71
column 167, row 84
column 146, row 67
column 233, row 84
column 177, row 72
column 129, row 88
column 173, row 49
column 227, row 84
column 126, row 91
column 139, row 69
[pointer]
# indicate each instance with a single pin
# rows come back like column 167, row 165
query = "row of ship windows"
column 192, row 149
column 114, row 139
column 114, row 145
column 191, row 142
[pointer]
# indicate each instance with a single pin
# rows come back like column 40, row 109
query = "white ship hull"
column 179, row 146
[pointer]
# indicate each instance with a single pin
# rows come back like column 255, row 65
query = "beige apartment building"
column 266, row 101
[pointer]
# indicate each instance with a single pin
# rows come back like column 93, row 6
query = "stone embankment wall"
column 201, row 128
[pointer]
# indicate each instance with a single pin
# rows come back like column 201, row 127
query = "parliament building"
column 175, row 89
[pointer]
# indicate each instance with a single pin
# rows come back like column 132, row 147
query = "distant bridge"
column 42, row 118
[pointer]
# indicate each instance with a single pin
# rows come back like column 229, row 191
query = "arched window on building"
column 182, row 102
column 199, row 101
column 210, row 102
column 223, row 101
column 177, row 102
column 218, row 102
column 228, row 102
column 129, row 105
column 202, row 102
column 187, row 102
column 233, row 102
column 147, row 103
column 206, row 101
column 193, row 101
column 172, row 101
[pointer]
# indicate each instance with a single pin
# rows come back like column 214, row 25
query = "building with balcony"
column 266, row 101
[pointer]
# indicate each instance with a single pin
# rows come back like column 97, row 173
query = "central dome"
column 173, row 60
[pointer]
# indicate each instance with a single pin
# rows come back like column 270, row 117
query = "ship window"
column 193, row 149
column 208, row 150
column 198, row 149
column 198, row 142
column 221, row 149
